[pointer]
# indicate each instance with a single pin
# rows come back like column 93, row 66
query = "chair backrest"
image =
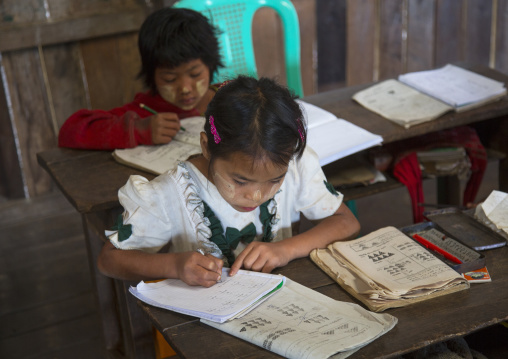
column 234, row 19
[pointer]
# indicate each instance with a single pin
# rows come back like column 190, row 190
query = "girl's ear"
column 203, row 141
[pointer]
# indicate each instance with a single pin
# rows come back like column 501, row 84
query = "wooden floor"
column 47, row 308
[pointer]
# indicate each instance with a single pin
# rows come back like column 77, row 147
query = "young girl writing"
column 179, row 56
column 236, row 201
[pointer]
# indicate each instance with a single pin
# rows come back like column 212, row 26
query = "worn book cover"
column 387, row 269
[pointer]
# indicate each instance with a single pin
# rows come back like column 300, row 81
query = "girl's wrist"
column 290, row 248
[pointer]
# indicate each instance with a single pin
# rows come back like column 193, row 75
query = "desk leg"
column 137, row 329
column 126, row 328
column 104, row 287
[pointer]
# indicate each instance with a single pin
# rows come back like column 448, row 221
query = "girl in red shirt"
column 179, row 56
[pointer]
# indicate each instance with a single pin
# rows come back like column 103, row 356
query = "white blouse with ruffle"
column 169, row 209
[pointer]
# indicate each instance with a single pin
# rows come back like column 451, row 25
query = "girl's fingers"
column 239, row 261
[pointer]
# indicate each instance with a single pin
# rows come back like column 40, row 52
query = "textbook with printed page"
column 231, row 297
column 422, row 96
column 387, row 269
column 301, row 323
column 332, row 139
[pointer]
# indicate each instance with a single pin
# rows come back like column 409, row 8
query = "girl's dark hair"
column 170, row 37
column 257, row 117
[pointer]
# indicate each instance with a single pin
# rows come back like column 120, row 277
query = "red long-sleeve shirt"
column 122, row 127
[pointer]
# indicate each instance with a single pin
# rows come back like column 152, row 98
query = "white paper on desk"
column 495, row 208
column 454, row 85
column 301, row 323
column 161, row 158
column 224, row 300
column 333, row 138
column 401, row 103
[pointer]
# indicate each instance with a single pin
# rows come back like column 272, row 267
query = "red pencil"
column 435, row 248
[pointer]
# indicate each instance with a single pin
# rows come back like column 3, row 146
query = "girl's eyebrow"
column 194, row 68
column 240, row 177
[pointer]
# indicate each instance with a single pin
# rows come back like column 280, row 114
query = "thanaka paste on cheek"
column 268, row 195
column 168, row 93
column 259, row 197
column 226, row 188
column 201, row 87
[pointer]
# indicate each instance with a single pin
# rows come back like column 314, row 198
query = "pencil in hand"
column 142, row 105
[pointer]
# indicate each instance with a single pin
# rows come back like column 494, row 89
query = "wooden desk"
column 340, row 103
column 419, row 325
column 90, row 180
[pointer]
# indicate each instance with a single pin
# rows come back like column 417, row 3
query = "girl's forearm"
column 135, row 264
column 342, row 225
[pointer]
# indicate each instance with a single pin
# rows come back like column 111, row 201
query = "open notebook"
column 230, row 298
column 273, row 312
column 330, row 137
column 422, row 96
column 334, row 138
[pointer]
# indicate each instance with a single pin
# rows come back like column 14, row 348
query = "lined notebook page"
column 218, row 303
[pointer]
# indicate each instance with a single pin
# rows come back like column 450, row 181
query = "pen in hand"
column 142, row 105
column 200, row 251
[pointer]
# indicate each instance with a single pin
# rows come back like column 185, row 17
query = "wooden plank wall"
column 58, row 56
column 388, row 37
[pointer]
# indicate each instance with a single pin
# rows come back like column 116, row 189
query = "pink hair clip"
column 300, row 131
column 302, row 137
column 216, row 136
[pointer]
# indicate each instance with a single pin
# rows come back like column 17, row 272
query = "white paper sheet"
column 454, row 85
column 333, row 138
column 222, row 301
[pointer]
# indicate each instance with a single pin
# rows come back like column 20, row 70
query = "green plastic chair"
column 234, row 19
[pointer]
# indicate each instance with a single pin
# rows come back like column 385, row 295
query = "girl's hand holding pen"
column 195, row 268
column 164, row 125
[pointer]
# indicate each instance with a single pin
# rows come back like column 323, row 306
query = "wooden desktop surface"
column 91, row 179
column 419, row 324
